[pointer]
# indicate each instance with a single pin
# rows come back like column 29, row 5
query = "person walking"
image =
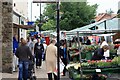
column 24, row 55
column 30, row 44
column 64, row 56
column 15, row 46
column 51, row 60
column 38, row 50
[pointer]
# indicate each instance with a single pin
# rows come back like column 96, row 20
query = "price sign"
column 98, row 70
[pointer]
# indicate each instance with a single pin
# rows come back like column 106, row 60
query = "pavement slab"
column 41, row 74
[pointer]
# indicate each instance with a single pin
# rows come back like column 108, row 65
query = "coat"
column 51, row 58
column 15, row 44
column 98, row 54
column 23, row 53
column 38, row 49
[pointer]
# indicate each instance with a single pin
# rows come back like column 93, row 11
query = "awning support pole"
column 81, row 73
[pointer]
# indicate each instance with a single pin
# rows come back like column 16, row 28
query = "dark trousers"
column 39, row 59
column 50, row 76
column 64, row 60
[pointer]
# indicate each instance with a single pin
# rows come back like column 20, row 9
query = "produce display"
column 86, row 52
column 91, row 68
column 97, row 64
column 100, row 67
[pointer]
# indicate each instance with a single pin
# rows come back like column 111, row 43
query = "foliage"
column 88, row 48
column 73, row 14
column 104, row 64
column 84, row 64
column 43, row 20
column 113, row 50
column 48, row 25
column 116, row 60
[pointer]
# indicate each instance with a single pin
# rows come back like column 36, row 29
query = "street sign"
column 30, row 23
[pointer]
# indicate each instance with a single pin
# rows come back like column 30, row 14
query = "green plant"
column 104, row 64
column 113, row 50
column 84, row 64
column 116, row 60
column 88, row 48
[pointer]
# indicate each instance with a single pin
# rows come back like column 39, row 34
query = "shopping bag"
column 61, row 68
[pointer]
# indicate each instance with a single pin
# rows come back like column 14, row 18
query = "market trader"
column 99, row 53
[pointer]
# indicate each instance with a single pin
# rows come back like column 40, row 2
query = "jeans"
column 23, row 70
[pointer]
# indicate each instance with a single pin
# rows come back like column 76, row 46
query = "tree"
column 73, row 14
column 49, row 25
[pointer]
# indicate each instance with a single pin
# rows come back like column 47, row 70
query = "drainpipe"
column 19, row 32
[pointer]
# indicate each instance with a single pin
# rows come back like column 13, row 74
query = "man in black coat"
column 38, row 50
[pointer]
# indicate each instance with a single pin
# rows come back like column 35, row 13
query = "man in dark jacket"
column 98, row 54
column 38, row 50
column 24, row 55
column 88, row 42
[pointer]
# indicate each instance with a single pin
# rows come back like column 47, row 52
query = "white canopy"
column 112, row 26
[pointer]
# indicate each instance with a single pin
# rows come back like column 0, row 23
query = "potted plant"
column 88, row 50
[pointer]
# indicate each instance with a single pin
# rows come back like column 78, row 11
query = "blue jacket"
column 15, row 44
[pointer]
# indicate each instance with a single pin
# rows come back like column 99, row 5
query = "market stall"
column 81, row 66
column 80, row 59
column 100, row 68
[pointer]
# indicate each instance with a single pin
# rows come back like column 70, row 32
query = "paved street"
column 40, row 73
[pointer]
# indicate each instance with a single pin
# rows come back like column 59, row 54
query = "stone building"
column 0, row 36
column 20, row 16
column 7, row 31
column 8, row 27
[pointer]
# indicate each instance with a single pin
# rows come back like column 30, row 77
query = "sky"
column 103, row 6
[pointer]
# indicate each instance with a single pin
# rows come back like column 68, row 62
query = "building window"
column 14, row 4
column 22, row 22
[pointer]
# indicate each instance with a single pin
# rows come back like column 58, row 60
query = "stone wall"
column 7, row 29
column 0, row 36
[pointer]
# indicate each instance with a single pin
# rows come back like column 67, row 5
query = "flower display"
column 88, row 48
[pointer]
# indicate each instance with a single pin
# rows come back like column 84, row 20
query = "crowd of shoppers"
column 36, row 50
column 26, row 51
